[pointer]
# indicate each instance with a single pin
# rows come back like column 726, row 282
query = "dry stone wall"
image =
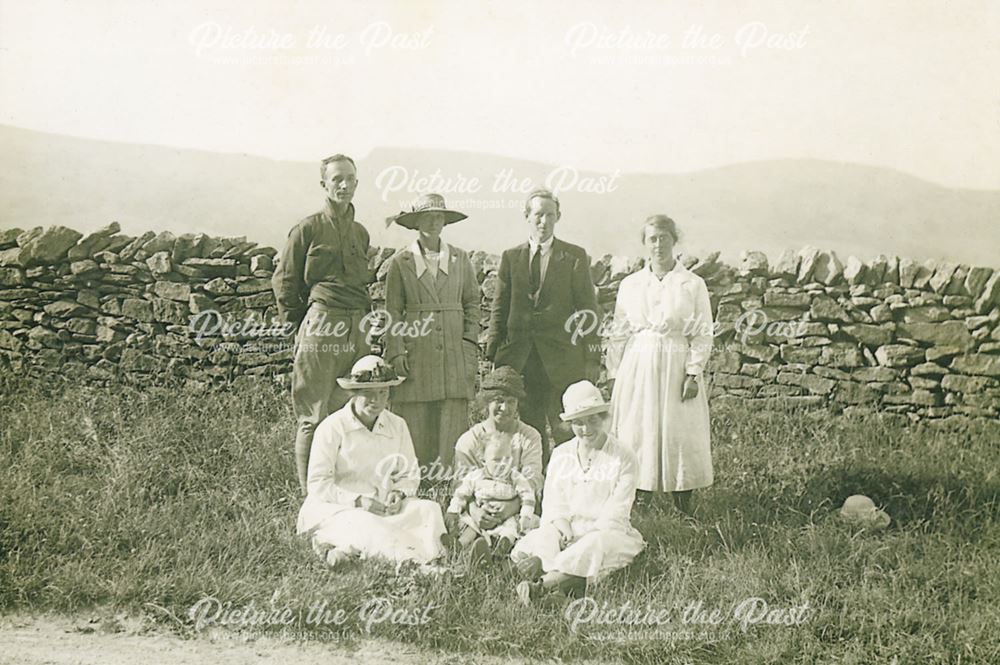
column 916, row 338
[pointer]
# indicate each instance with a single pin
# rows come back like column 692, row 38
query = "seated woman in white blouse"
column 363, row 475
column 586, row 531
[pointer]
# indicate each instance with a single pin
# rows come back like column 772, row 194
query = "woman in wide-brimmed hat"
column 586, row 531
column 433, row 282
column 498, row 399
column 363, row 477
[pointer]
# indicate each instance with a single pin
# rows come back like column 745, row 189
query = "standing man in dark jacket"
column 542, row 285
column 321, row 286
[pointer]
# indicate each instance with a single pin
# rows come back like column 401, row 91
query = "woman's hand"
column 394, row 502
column 565, row 532
column 690, row 390
column 451, row 523
column 527, row 523
column 373, row 506
column 488, row 521
column 401, row 364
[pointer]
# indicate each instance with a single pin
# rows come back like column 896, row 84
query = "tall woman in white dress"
column 662, row 337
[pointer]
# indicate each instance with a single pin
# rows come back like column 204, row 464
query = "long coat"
column 443, row 363
column 517, row 322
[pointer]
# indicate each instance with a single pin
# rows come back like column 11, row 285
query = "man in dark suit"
column 542, row 285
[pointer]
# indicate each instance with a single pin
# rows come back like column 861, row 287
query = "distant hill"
column 48, row 179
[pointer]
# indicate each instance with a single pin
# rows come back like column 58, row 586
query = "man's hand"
column 401, row 364
column 690, row 390
column 374, row 506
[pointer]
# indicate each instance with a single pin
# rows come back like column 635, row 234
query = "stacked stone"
column 913, row 338
column 109, row 306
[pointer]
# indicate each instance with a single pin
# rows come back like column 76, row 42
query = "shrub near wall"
column 915, row 338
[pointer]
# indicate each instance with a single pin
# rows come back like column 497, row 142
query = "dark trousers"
column 543, row 405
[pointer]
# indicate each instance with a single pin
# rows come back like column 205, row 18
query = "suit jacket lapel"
column 443, row 277
column 522, row 266
column 557, row 261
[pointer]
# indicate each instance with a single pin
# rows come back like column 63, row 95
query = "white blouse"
column 602, row 494
column 347, row 460
column 677, row 305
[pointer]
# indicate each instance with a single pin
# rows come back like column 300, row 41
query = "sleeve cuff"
column 346, row 498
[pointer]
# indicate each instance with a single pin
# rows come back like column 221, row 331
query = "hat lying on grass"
column 861, row 511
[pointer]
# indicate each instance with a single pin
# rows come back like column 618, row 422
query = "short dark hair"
column 663, row 223
column 335, row 158
column 540, row 194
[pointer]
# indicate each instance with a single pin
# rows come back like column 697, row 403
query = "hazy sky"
column 911, row 85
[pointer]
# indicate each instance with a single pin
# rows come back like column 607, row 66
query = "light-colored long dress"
column 444, row 358
column 347, row 461
column 597, row 503
column 662, row 332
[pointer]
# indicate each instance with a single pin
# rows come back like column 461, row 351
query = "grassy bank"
column 149, row 501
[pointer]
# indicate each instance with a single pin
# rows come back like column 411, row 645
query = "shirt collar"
column 352, row 423
column 332, row 214
column 421, row 265
column 677, row 272
column 546, row 246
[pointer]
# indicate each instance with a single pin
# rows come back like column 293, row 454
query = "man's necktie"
column 535, row 276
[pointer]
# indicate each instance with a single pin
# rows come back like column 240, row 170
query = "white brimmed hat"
column 425, row 204
column 582, row 399
column 370, row 372
column 860, row 510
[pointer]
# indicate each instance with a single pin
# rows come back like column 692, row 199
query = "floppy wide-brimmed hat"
column 370, row 372
column 504, row 380
column 860, row 510
column 582, row 399
column 424, row 204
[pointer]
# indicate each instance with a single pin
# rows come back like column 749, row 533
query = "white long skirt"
column 412, row 534
column 593, row 554
column 669, row 437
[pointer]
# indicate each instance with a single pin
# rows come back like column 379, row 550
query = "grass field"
column 148, row 501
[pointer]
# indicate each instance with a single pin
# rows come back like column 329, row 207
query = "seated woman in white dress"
column 362, row 478
column 586, row 531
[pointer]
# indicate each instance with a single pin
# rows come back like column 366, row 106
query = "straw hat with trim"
column 370, row 372
column 582, row 399
column 426, row 203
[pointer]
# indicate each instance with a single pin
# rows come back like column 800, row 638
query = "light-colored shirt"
column 600, row 496
column 432, row 261
column 479, row 485
column 546, row 255
column 347, row 460
column 677, row 305
column 525, row 443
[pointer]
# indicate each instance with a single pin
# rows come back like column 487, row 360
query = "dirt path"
column 48, row 640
